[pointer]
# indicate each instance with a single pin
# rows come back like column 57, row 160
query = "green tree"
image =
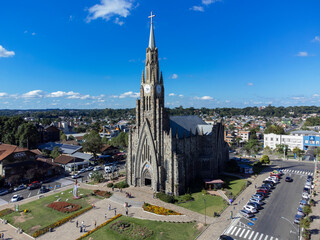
column 120, row 141
column 307, row 210
column 97, row 176
column 71, row 137
column 305, row 222
column 63, row 137
column 92, row 143
column 55, row 152
column 252, row 146
column 27, row 135
column 267, row 150
column 274, row 129
column 265, row 159
column 297, row 151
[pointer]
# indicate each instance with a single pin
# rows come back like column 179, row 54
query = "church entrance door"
column 147, row 180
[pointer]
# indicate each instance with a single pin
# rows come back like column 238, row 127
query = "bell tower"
column 152, row 90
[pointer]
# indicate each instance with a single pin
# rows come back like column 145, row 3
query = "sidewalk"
column 220, row 224
column 315, row 224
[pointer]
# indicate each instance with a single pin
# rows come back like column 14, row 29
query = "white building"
column 295, row 139
column 272, row 140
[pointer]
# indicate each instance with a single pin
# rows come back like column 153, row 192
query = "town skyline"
column 68, row 59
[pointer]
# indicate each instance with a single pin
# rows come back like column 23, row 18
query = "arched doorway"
column 146, row 178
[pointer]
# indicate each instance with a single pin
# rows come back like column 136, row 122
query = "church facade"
column 170, row 153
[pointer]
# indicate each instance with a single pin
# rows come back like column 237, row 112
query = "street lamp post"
column 205, row 212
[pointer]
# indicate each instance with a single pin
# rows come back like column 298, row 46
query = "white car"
column 97, row 168
column 16, row 198
column 274, row 180
column 76, row 176
column 256, row 201
column 250, row 209
column 305, row 195
column 257, row 196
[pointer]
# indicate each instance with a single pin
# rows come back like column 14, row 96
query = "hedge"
column 164, row 197
column 5, row 212
column 100, row 226
column 122, row 184
column 60, row 222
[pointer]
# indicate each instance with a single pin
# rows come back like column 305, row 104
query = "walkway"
column 314, row 226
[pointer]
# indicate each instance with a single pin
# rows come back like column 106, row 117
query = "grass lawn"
column 41, row 215
column 161, row 230
column 213, row 204
column 234, row 185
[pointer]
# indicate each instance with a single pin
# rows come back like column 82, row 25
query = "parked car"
column 90, row 168
column 310, row 178
column 250, row 208
column 256, row 201
column 270, row 186
column 262, row 191
column 34, row 185
column 76, row 176
column 288, row 179
column 3, row 192
column 269, row 182
column 246, row 213
column 298, row 217
column 302, row 203
column 307, row 190
column 305, row 196
column 225, row 237
column 256, row 205
column 44, row 189
column 16, row 198
column 274, row 180
column 21, row 187
column 97, row 168
column 257, row 196
column 83, row 170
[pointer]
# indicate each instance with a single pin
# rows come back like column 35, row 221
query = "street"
column 275, row 220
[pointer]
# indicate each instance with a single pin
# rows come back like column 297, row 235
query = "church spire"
column 152, row 43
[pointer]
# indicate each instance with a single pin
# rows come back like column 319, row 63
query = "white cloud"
column 250, row 84
column 316, row 39
column 117, row 21
column 302, row 54
column 297, row 98
column 180, row 95
column 6, row 53
column 33, row 94
column 3, row 95
column 204, row 98
column 33, row 33
column 227, row 101
column 129, row 94
column 172, row 94
column 109, row 8
column 197, row 8
column 174, row 76
column 315, row 95
column 208, row 2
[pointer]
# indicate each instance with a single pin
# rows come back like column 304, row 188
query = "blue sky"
column 213, row 53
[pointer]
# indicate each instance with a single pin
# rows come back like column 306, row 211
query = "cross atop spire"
column 151, row 16
column 152, row 43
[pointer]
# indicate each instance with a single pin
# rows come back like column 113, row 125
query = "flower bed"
column 102, row 193
column 64, row 207
column 100, row 226
column 60, row 222
column 5, row 212
column 159, row 210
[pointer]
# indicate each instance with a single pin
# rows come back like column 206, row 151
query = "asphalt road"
column 275, row 220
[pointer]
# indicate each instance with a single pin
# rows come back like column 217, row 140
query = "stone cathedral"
column 170, row 153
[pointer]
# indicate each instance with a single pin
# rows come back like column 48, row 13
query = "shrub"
column 164, row 197
column 110, row 185
column 122, row 184
column 5, row 212
column 307, row 210
column 100, row 226
column 187, row 197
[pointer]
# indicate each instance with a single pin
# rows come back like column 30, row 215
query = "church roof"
column 185, row 124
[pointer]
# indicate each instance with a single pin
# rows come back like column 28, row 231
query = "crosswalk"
column 244, row 233
column 301, row 172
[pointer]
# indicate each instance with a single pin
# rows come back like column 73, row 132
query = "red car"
column 34, row 182
column 275, row 175
column 262, row 191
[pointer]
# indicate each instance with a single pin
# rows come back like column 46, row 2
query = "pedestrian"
column 109, row 207
column 95, row 223
column 2, row 236
column 255, row 186
column 105, row 216
column 80, row 228
column 77, row 223
column 112, row 188
column 153, row 195
column 84, row 228
column 127, row 212
column 82, row 224
column 115, row 211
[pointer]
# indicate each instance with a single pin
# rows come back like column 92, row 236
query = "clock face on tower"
column 147, row 88
column 158, row 89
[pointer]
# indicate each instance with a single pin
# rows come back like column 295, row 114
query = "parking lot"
column 276, row 218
